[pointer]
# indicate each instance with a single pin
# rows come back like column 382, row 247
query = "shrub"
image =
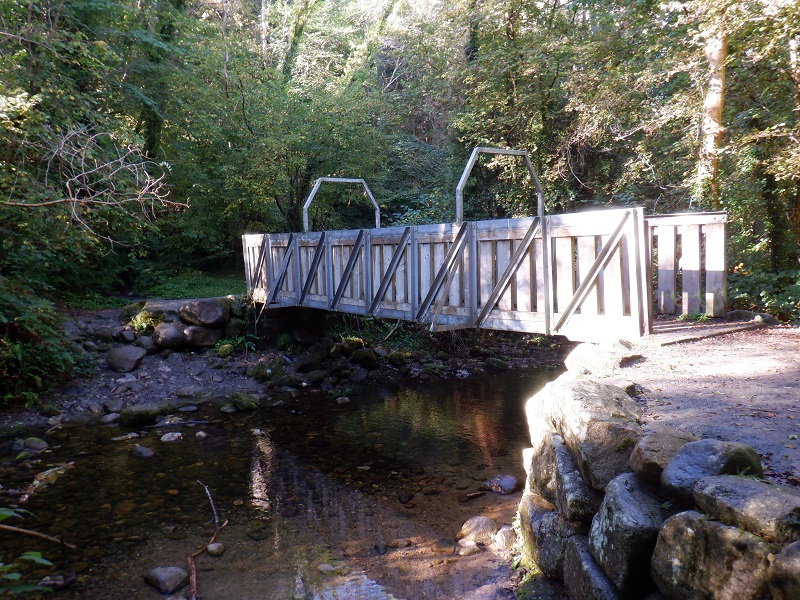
column 35, row 353
column 775, row 293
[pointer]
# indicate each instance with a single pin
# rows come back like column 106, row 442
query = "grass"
column 193, row 284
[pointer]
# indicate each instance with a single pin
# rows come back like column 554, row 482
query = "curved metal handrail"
column 315, row 189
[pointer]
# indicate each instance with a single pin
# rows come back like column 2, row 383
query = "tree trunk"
column 716, row 52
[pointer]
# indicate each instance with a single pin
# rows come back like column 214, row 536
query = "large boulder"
column 125, row 359
column 656, row 449
column 783, row 575
column 201, row 337
column 599, row 424
column 625, row 530
column 767, row 510
column 705, row 458
column 583, row 577
column 576, row 501
column 697, row 557
column 539, row 465
column 206, row 312
column 169, row 335
column 549, row 536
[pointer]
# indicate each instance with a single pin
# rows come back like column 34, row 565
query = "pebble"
column 187, row 408
column 405, row 497
column 201, row 435
column 127, row 436
column 216, row 549
column 173, row 436
column 399, row 543
column 343, row 400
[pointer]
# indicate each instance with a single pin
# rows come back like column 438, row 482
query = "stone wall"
column 620, row 510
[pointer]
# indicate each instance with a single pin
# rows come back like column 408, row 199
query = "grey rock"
column 583, row 577
column 147, row 344
column 172, row 436
column 201, row 337
column 783, row 575
column 141, row 414
column 305, row 363
column 216, row 549
column 191, row 391
column 624, row 532
column 551, row 534
column 244, row 402
column 169, row 335
column 767, row 510
column 539, row 465
column 127, row 336
column 505, row 537
column 599, row 424
column 235, row 328
column 467, row 547
column 124, row 359
column 359, row 375
column 110, row 419
column 575, row 500
column 142, row 452
column 114, row 405
column 103, row 334
column 167, row 579
column 656, row 448
column 366, row 358
column 496, row 364
column 206, row 312
column 696, row 557
column 705, row 458
column 35, row 444
column 502, row 484
column 12, row 429
column 479, row 529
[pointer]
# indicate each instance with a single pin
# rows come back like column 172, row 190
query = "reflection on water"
column 311, row 484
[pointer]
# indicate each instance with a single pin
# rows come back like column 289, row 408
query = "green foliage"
column 187, row 283
column 242, row 343
column 775, row 293
column 35, row 353
column 695, row 317
column 10, row 576
column 144, row 321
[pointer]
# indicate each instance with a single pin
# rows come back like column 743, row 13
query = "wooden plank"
column 486, row 274
column 612, row 284
column 667, row 237
column 523, row 283
column 538, row 266
column 439, row 251
column 625, row 249
column 564, row 272
column 587, row 252
column 502, row 258
column 690, row 268
column 716, row 270
column 678, row 219
column 426, row 271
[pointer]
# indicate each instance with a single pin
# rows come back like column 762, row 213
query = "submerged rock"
column 167, row 579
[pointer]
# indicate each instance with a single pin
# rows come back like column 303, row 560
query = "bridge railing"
column 581, row 275
column 689, row 261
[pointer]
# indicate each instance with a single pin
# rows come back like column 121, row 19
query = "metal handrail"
column 321, row 180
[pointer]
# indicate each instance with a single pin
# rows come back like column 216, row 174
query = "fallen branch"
column 44, row 536
column 190, row 558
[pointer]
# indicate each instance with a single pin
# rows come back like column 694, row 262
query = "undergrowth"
column 35, row 353
column 190, row 283
column 775, row 293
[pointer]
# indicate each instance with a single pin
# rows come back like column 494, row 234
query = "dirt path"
column 742, row 386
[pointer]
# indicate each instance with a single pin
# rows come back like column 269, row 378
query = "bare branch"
column 94, row 170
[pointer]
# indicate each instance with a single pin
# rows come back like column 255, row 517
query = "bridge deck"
column 584, row 275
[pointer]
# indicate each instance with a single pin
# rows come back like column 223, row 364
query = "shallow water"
column 311, row 490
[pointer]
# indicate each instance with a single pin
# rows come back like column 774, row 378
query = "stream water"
column 316, row 493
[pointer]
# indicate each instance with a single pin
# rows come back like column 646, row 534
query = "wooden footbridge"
column 587, row 276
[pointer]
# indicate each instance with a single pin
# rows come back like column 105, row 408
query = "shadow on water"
column 312, row 489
